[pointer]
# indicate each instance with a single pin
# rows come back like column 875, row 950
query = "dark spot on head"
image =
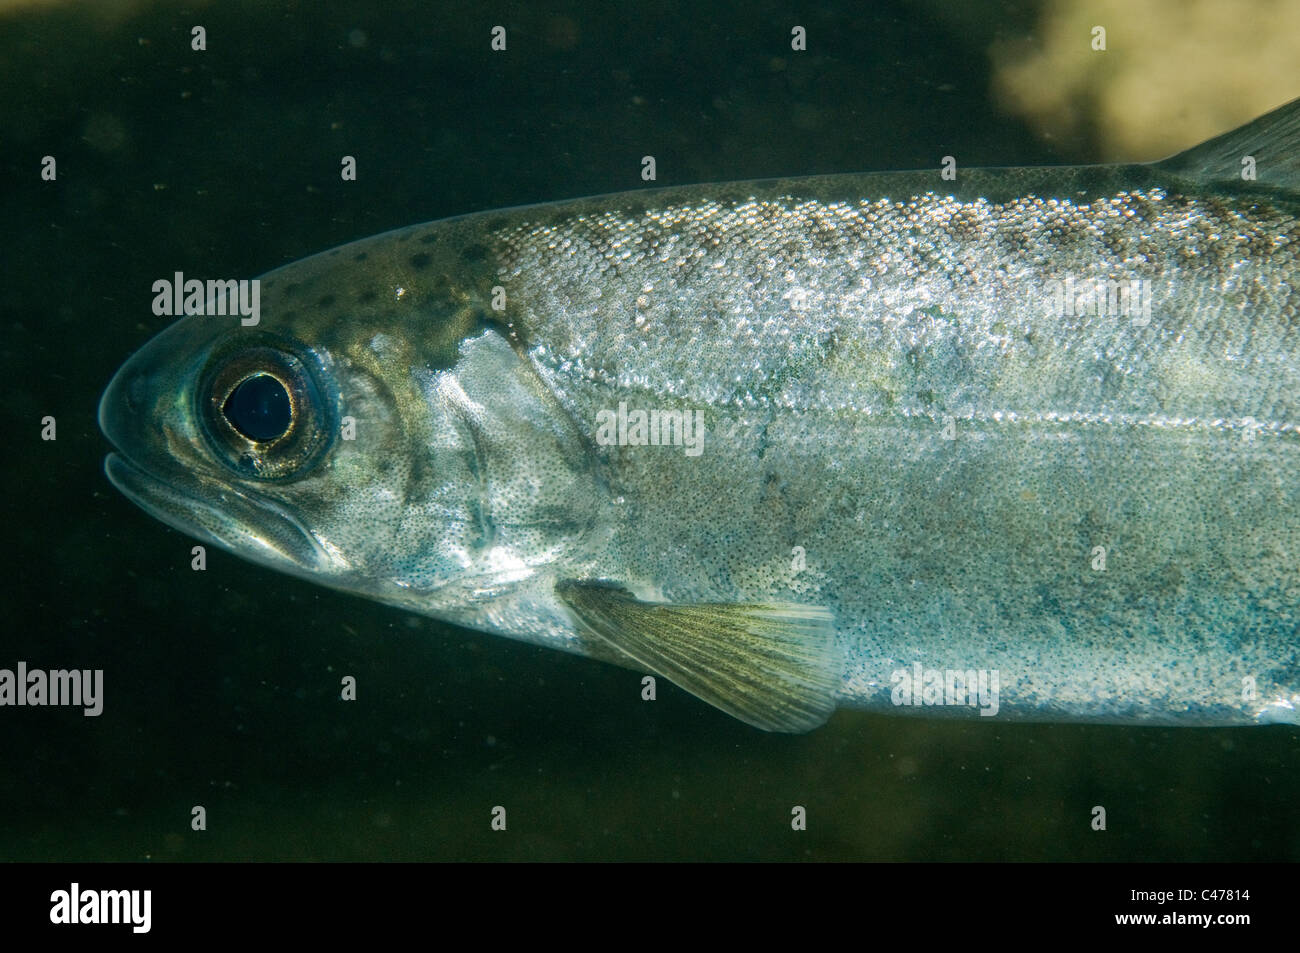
column 420, row 261
column 360, row 256
column 325, row 302
column 367, row 296
column 473, row 253
column 429, row 238
column 420, row 471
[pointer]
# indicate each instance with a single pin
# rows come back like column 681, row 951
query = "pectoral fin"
column 771, row 665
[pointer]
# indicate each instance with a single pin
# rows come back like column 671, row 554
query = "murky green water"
column 222, row 686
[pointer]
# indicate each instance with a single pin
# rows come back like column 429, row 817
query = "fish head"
column 375, row 431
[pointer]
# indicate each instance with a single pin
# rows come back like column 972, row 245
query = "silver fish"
column 1024, row 442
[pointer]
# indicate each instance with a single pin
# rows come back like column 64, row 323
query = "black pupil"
column 259, row 408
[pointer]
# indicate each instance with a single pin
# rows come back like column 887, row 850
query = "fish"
column 1016, row 442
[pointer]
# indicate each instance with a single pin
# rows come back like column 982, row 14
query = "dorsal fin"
column 1273, row 140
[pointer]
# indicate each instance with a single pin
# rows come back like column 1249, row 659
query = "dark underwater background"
column 221, row 687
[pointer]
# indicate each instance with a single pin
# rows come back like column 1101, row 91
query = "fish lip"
column 228, row 519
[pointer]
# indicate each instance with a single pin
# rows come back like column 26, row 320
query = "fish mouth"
column 157, row 468
column 252, row 528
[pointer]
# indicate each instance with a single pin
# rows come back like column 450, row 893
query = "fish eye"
column 263, row 409
column 259, row 408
